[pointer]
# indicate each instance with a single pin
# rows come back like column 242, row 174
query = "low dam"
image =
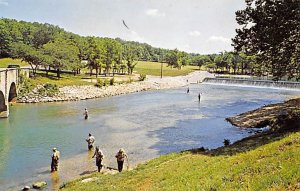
column 252, row 82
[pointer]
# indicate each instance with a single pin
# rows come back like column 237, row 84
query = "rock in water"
column 39, row 185
column 26, row 188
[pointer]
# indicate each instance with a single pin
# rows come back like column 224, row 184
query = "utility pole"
column 161, row 67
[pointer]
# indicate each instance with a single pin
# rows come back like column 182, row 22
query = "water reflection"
column 55, row 180
column 90, row 153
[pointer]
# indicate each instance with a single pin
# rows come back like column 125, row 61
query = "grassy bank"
column 4, row 62
column 154, row 69
column 143, row 67
column 269, row 161
column 147, row 68
column 65, row 80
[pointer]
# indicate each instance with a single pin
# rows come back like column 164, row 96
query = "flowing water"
column 146, row 124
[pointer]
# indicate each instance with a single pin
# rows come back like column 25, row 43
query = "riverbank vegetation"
column 266, row 161
column 4, row 62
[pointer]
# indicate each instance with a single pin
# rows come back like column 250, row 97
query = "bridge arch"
column 12, row 96
column 8, row 88
column 3, row 107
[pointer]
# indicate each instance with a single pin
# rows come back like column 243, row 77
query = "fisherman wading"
column 99, row 158
column 55, row 160
column 121, row 155
column 90, row 140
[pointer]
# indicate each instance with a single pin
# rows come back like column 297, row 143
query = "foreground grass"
column 4, row 62
column 153, row 68
column 263, row 162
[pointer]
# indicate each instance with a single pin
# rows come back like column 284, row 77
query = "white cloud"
column 219, row 38
column 154, row 13
column 134, row 36
column 3, row 2
column 194, row 33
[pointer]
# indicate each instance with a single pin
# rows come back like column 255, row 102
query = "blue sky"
column 200, row 26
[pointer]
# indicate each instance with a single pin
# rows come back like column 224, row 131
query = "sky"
column 198, row 26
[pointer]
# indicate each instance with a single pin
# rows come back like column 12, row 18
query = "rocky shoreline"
column 270, row 115
column 75, row 93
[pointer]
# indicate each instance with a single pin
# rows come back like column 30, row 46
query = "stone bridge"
column 8, row 89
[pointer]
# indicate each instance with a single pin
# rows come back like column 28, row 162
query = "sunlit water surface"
column 146, row 124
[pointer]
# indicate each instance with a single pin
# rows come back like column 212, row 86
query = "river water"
column 146, row 124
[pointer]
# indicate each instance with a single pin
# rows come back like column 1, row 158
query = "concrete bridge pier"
column 8, row 89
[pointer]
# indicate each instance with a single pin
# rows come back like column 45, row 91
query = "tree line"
column 52, row 48
column 267, row 43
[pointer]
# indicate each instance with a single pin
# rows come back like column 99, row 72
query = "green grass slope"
column 4, row 62
column 154, row 68
column 269, row 161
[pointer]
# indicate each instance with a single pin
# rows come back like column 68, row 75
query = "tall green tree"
column 94, row 52
column 199, row 60
column 5, row 39
column 270, row 29
column 112, row 50
column 34, row 57
column 130, row 55
column 64, row 55
column 177, row 59
column 43, row 34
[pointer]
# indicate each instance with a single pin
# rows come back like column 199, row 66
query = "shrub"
column 112, row 81
column 142, row 77
column 106, row 82
column 130, row 80
column 49, row 86
column 47, row 89
column 226, row 142
column 26, row 85
column 100, row 83
column 50, row 89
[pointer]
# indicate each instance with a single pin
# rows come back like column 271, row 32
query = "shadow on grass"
column 249, row 143
column 87, row 172
column 49, row 75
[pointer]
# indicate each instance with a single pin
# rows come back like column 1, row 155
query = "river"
column 146, row 124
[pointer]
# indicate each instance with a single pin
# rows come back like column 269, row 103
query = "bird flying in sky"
column 125, row 25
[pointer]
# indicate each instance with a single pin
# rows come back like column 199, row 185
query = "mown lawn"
column 267, row 162
column 41, row 78
column 153, row 68
column 65, row 80
column 4, row 62
column 147, row 68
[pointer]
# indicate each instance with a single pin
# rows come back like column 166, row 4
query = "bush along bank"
column 39, row 93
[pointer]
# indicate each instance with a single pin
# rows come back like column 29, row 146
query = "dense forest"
column 267, row 43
